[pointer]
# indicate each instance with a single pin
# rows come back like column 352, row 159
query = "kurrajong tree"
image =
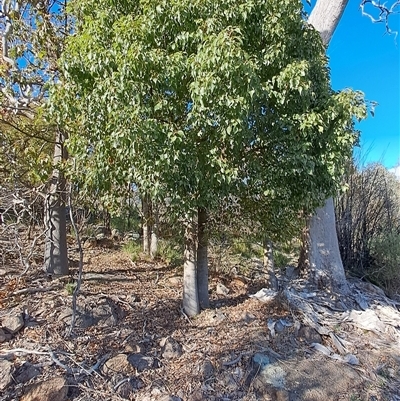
column 193, row 101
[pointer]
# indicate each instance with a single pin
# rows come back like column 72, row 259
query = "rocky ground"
column 132, row 341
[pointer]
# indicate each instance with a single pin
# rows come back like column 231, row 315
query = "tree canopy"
column 196, row 100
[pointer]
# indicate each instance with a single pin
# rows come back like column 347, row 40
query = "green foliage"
column 70, row 288
column 245, row 248
column 281, row 259
column 195, row 101
column 170, row 252
column 134, row 250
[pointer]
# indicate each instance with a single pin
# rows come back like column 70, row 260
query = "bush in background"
column 368, row 226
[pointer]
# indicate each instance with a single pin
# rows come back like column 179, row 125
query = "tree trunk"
column 202, row 259
column 325, row 263
column 325, row 17
column 147, row 224
column 55, row 254
column 269, row 264
column 326, row 267
column 191, row 304
column 154, row 233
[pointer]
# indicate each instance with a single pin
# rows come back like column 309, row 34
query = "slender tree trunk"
column 325, row 263
column 269, row 264
column 55, row 254
column 191, row 304
column 147, row 224
column 154, row 234
column 202, row 259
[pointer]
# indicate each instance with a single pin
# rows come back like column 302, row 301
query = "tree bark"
column 191, row 304
column 55, row 254
column 325, row 263
column 325, row 17
column 147, row 224
column 269, row 264
column 202, row 259
column 154, row 233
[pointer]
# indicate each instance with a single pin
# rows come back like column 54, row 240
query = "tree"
column 33, row 34
column 199, row 101
column 321, row 250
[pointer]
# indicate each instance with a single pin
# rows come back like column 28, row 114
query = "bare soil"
column 217, row 361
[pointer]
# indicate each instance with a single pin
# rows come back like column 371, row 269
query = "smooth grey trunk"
column 147, row 224
column 191, row 304
column 202, row 259
column 325, row 263
column 269, row 265
column 154, row 242
column 55, row 253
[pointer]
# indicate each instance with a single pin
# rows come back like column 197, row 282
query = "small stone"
column 117, row 364
column 207, row 369
column 261, row 360
column 176, row 281
column 3, row 336
column 141, row 362
column 51, row 390
column 6, row 370
column 279, row 327
column 171, row 349
column 247, row 317
column 282, row 395
column 309, row 335
column 115, row 234
column 129, row 386
column 221, row 289
column 90, row 243
column 13, row 323
column 26, row 372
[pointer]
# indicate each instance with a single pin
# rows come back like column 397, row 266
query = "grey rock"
column 171, row 349
column 169, row 398
column 207, row 369
column 13, row 323
column 279, row 327
column 129, row 385
column 247, row 317
column 309, row 335
column 261, row 360
column 117, row 364
column 3, row 336
column 272, row 374
column 106, row 314
column 91, row 242
column 26, row 372
column 116, row 234
column 221, row 289
column 141, row 362
column 6, row 371
column 51, row 390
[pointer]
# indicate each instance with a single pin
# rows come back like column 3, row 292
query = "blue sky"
column 363, row 57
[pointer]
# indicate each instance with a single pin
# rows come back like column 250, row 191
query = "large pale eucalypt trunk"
column 56, row 253
column 325, row 263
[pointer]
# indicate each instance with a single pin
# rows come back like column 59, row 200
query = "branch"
column 384, row 13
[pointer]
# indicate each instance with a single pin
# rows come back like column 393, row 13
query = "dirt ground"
column 239, row 349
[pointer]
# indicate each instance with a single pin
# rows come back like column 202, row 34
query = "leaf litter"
column 296, row 344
